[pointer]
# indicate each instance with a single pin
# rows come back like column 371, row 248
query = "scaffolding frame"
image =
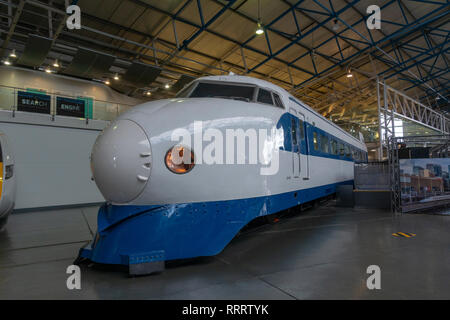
column 395, row 104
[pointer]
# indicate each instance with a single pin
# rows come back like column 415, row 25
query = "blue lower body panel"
column 130, row 235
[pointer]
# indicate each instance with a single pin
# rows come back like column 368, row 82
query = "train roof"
column 270, row 85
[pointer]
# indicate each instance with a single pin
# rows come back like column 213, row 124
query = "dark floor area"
column 321, row 253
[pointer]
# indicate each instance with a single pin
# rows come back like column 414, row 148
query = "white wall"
column 51, row 159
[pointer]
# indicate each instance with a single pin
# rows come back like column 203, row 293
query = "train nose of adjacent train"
column 121, row 161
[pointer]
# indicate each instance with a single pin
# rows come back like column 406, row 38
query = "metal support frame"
column 396, row 104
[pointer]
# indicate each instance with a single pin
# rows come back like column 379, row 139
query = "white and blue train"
column 158, row 210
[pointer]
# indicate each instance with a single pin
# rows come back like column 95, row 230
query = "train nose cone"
column 121, row 161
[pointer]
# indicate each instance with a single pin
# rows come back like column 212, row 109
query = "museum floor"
column 320, row 253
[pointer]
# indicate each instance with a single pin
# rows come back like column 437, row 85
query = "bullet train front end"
column 162, row 208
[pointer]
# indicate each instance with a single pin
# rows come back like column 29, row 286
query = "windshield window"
column 223, row 90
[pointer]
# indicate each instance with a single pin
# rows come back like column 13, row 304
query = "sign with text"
column 33, row 102
column 70, row 107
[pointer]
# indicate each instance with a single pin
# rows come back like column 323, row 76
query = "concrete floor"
column 321, row 253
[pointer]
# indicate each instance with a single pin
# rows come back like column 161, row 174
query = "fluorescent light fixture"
column 13, row 54
column 107, row 82
column 7, row 63
column 167, row 86
column 148, row 93
column 56, row 63
column 48, row 70
column 116, row 76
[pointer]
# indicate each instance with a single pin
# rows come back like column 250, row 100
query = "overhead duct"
column 184, row 80
column 35, row 52
column 89, row 64
column 141, row 75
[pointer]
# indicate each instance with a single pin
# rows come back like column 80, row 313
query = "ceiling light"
column 13, row 54
column 349, row 73
column 48, row 70
column 148, row 93
column 116, row 76
column 107, row 82
column 6, row 63
column 259, row 29
column 56, row 63
column 167, row 86
column 336, row 25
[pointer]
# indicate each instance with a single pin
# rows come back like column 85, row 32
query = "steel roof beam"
column 12, row 27
column 402, row 31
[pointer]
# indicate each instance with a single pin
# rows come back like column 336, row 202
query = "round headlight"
column 180, row 159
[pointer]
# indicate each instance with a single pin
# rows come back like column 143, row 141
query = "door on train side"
column 295, row 144
column 304, row 151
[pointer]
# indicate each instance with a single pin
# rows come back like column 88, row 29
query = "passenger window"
column 278, row 101
column 265, row 96
column 347, row 150
column 316, row 142
column 341, row 149
column 294, row 132
column 302, row 130
column 334, row 147
column 324, row 146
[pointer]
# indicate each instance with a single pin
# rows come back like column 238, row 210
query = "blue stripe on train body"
column 139, row 234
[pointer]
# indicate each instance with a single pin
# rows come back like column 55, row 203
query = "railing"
column 99, row 110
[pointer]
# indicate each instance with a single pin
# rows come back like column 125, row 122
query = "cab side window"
column 265, row 97
column 278, row 101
